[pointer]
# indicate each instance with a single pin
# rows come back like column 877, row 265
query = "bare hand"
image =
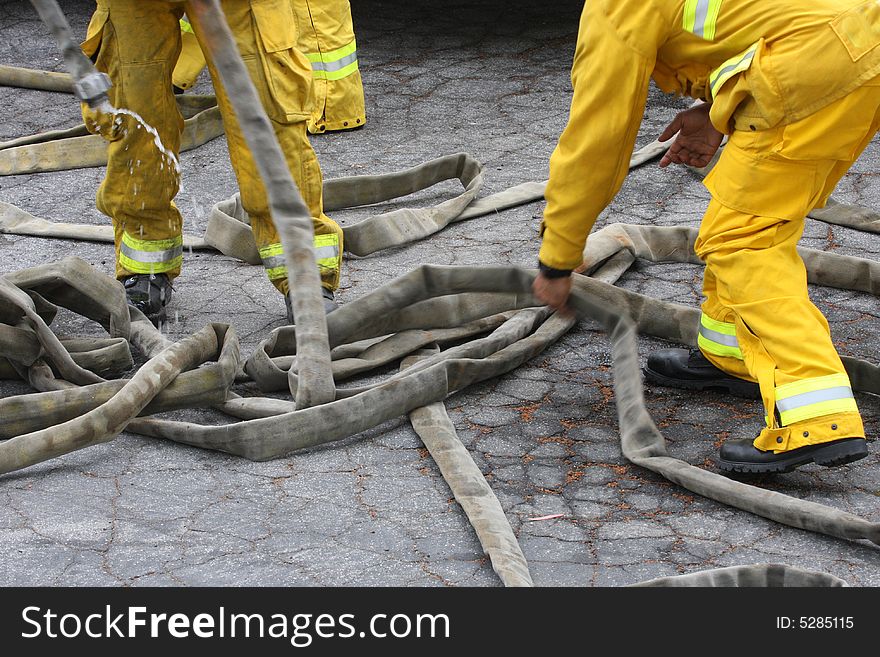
column 552, row 291
column 697, row 138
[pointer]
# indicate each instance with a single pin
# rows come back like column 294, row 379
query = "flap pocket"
column 859, row 29
column 763, row 186
column 276, row 24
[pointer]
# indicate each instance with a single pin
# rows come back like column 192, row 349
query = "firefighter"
column 141, row 181
column 326, row 37
column 794, row 85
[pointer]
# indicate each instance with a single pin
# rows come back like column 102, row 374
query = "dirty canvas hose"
column 643, row 444
column 229, row 228
column 28, row 78
column 102, row 356
column 676, row 244
column 105, row 422
column 773, row 575
column 197, row 388
column 15, row 221
column 471, row 491
column 41, row 137
column 652, row 316
column 73, row 284
column 285, row 434
column 852, row 216
column 84, row 77
column 519, row 327
column 51, row 348
column 74, row 148
column 405, row 225
column 470, row 312
column 289, row 212
column 271, row 372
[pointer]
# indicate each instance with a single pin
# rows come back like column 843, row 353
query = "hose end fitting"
column 92, row 88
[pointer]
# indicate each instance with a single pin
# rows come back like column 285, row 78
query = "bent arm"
column 591, row 160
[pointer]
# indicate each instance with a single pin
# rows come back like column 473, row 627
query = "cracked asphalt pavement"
column 490, row 78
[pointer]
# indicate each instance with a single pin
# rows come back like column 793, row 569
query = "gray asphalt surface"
column 490, row 78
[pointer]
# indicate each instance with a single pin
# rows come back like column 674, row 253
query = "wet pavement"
column 489, row 78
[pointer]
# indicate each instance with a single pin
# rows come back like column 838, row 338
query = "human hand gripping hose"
column 283, row 431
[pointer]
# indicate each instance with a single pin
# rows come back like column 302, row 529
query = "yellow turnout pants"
column 758, row 322
column 326, row 37
column 140, row 184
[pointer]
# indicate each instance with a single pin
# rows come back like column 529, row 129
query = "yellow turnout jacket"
column 761, row 63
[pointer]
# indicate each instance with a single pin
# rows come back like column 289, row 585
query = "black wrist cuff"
column 549, row 272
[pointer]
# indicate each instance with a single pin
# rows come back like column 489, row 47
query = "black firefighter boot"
column 149, row 293
column 329, row 304
column 691, row 370
column 743, row 456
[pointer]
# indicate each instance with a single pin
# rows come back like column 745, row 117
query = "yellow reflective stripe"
column 185, row 26
column 831, row 407
column 718, row 338
column 334, row 64
column 273, row 260
column 333, row 55
column 150, row 256
column 151, row 245
column 809, row 398
column 327, row 250
column 811, row 385
column 335, row 75
column 327, row 239
column 701, row 17
column 276, row 273
column 271, row 250
column 727, row 328
column 149, row 267
column 718, row 349
column 326, row 255
column 730, row 68
column 689, row 18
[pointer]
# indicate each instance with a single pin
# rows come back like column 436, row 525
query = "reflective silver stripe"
column 728, row 70
column 815, row 397
column 702, row 11
column 337, row 65
column 320, row 254
column 273, row 262
column 324, row 252
column 720, row 338
column 151, row 256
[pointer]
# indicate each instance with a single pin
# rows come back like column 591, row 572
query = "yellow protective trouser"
column 138, row 189
column 326, row 37
column 758, row 322
column 191, row 61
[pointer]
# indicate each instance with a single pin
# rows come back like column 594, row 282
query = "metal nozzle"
column 92, row 88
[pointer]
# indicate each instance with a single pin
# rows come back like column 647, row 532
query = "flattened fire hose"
column 428, row 307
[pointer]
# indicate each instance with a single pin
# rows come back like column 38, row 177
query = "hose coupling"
column 92, row 88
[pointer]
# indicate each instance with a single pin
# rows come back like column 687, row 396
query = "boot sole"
column 833, row 454
column 737, row 387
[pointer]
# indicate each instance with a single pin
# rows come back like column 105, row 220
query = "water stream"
column 107, row 108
